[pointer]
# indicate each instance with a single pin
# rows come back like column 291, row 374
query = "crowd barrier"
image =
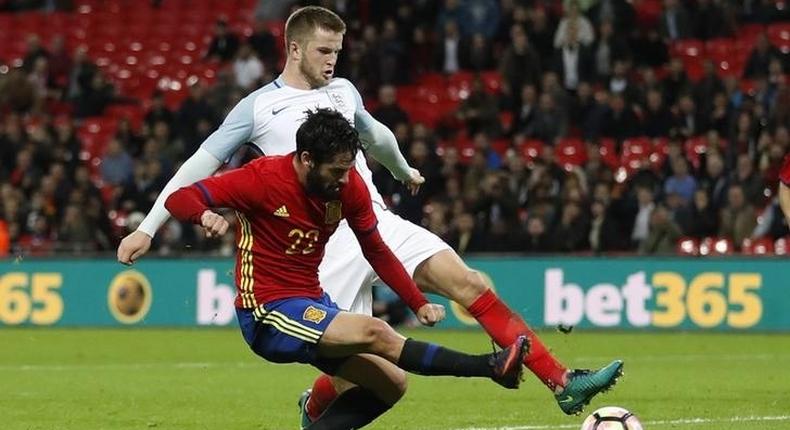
column 625, row 293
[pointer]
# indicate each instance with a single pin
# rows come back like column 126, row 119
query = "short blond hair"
column 304, row 21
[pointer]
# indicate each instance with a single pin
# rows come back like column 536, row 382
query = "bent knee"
column 377, row 334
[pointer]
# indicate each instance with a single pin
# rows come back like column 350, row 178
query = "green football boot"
column 583, row 385
column 305, row 420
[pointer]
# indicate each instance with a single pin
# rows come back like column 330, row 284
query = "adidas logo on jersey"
column 282, row 211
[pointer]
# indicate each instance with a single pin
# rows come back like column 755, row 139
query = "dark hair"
column 302, row 23
column 325, row 134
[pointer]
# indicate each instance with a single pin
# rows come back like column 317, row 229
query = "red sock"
column 323, row 394
column 504, row 326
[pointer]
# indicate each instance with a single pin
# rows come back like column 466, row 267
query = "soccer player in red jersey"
column 784, row 188
column 287, row 208
column 267, row 120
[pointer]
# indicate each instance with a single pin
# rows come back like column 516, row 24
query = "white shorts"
column 348, row 278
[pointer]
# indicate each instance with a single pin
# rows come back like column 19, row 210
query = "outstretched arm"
column 234, row 132
column 380, row 142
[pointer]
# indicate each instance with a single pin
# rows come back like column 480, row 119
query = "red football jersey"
column 282, row 231
column 784, row 174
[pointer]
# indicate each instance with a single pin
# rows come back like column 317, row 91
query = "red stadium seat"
column 689, row 48
column 688, row 246
column 608, row 151
column 716, row 246
column 530, row 150
column 761, row 246
column 570, row 153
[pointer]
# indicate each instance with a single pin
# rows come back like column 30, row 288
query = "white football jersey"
column 270, row 116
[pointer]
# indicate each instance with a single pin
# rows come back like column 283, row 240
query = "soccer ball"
column 611, row 418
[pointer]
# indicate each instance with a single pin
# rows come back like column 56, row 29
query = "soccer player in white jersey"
column 268, row 119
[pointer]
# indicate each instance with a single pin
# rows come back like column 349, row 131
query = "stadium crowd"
column 579, row 126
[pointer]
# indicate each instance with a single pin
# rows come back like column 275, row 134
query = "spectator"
column 75, row 231
column 657, row 119
column 224, row 44
column 93, row 100
column 540, row 33
column 34, row 52
column 760, row 58
column 82, row 73
column 247, row 68
column 480, row 112
column 573, row 60
column 520, row 63
column 607, row 49
column 708, row 20
column 536, row 240
column 549, row 122
column 158, row 111
column 621, row 121
column 681, row 182
column 748, row 180
column 649, row 49
column 642, row 222
column 574, row 26
column 676, row 82
column 388, row 110
column 479, row 55
column 704, row 221
column 449, row 49
column 663, row 236
column 738, row 218
column 464, row 237
column 605, row 234
column 674, row 23
column 264, row 44
column 59, row 63
column 117, row 165
column 715, row 182
column 687, row 121
column 479, row 17
column 392, row 53
column 572, row 232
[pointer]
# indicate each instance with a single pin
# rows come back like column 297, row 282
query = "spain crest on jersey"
column 334, row 212
column 314, row 315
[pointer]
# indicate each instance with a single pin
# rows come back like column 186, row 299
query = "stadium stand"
column 102, row 99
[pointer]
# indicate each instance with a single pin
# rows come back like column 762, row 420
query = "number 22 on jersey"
column 310, row 237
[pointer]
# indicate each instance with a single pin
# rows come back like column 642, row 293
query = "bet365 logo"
column 708, row 300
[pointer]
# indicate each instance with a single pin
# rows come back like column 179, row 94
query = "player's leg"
column 436, row 268
column 346, row 276
column 350, row 334
column 444, row 273
column 379, row 385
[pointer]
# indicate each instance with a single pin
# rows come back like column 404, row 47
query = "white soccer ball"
column 611, row 418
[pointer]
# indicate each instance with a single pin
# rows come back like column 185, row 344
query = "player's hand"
column 414, row 181
column 430, row 314
column 213, row 223
column 133, row 246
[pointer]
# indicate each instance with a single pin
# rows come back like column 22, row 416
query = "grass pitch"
column 207, row 379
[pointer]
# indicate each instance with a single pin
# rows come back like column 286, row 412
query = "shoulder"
column 263, row 93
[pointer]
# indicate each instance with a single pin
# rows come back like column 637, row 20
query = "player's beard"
column 317, row 185
column 312, row 75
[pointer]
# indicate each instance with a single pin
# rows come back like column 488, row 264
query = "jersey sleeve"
column 784, row 174
column 360, row 215
column 237, row 189
column 234, row 131
column 378, row 140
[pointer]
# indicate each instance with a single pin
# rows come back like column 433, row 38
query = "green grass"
column 207, row 379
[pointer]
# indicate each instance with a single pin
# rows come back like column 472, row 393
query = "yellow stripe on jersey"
column 245, row 250
column 291, row 327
